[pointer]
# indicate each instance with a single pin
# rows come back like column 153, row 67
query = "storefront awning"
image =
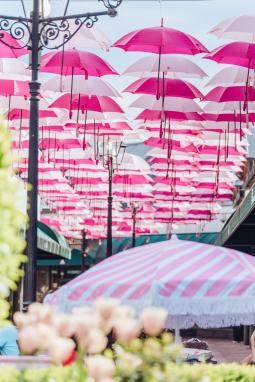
column 51, row 241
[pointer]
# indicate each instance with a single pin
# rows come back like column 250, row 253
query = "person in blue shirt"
column 8, row 341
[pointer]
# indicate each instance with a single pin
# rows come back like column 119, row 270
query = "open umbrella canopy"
column 160, row 40
column 167, row 87
column 236, row 53
column 171, row 66
column 240, row 27
column 75, row 62
column 198, row 284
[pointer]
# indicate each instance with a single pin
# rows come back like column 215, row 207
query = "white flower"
column 106, row 307
column 20, row 319
column 29, row 340
column 42, row 313
column 100, row 368
column 96, row 341
column 153, row 320
column 126, row 329
column 65, row 325
column 59, row 349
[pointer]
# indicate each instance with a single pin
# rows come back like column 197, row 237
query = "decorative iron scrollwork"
column 18, row 30
column 55, row 34
column 111, row 4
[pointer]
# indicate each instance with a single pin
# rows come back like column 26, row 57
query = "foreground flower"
column 127, row 329
column 29, row 340
column 96, row 341
column 60, row 349
column 153, row 320
column 106, row 307
column 100, row 368
column 65, row 325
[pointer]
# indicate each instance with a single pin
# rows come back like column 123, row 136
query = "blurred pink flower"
column 153, row 320
column 100, row 368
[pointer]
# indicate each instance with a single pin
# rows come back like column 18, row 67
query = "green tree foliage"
column 11, row 222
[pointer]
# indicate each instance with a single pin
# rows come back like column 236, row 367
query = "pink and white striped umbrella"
column 197, row 283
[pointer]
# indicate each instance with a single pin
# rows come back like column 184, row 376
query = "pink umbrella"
column 58, row 143
column 11, row 47
column 227, row 117
column 164, row 87
column 193, row 281
column 155, row 115
column 25, row 114
column 84, row 102
column 236, row 53
column 160, row 40
column 231, row 93
column 132, row 179
column 13, row 88
column 75, row 62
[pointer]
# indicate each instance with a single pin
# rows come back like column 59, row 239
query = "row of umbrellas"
column 196, row 150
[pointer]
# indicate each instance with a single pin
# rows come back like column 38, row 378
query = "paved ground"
column 227, row 350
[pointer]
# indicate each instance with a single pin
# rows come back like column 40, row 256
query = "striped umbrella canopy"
column 197, row 283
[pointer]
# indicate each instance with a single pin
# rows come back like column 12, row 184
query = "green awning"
column 74, row 261
column 51, row 241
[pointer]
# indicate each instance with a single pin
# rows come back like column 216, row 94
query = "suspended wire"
column 160, row 9
column 23, row 7
column 66, row 7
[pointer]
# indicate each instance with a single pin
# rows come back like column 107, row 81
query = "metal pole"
column 134, row 225
column 109, row 217
column 83, row 250
column 30, row 278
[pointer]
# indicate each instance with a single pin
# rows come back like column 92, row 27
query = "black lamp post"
column 134, row 226
column 114, row 158
column 36, row 33
column 83, row 250
column 134, row 208
column 109, row 207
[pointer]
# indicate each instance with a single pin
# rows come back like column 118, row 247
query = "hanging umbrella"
column 166, row 88
column 11, row 67
column 183, row 105
column 156, row 115
column 11, row 47
column 87, row 38
column 160, row 40
column 240, row 27
column 84, row 102
column 232, row 75
column 171, row 66
column 230, row 93
column 236, row 53
column 10, row 87
column 75, row 62
column 91, row 86
column 198, row 284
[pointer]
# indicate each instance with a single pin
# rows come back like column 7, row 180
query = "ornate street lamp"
column 134, row 208
column 112, row 157
column 38, row 32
